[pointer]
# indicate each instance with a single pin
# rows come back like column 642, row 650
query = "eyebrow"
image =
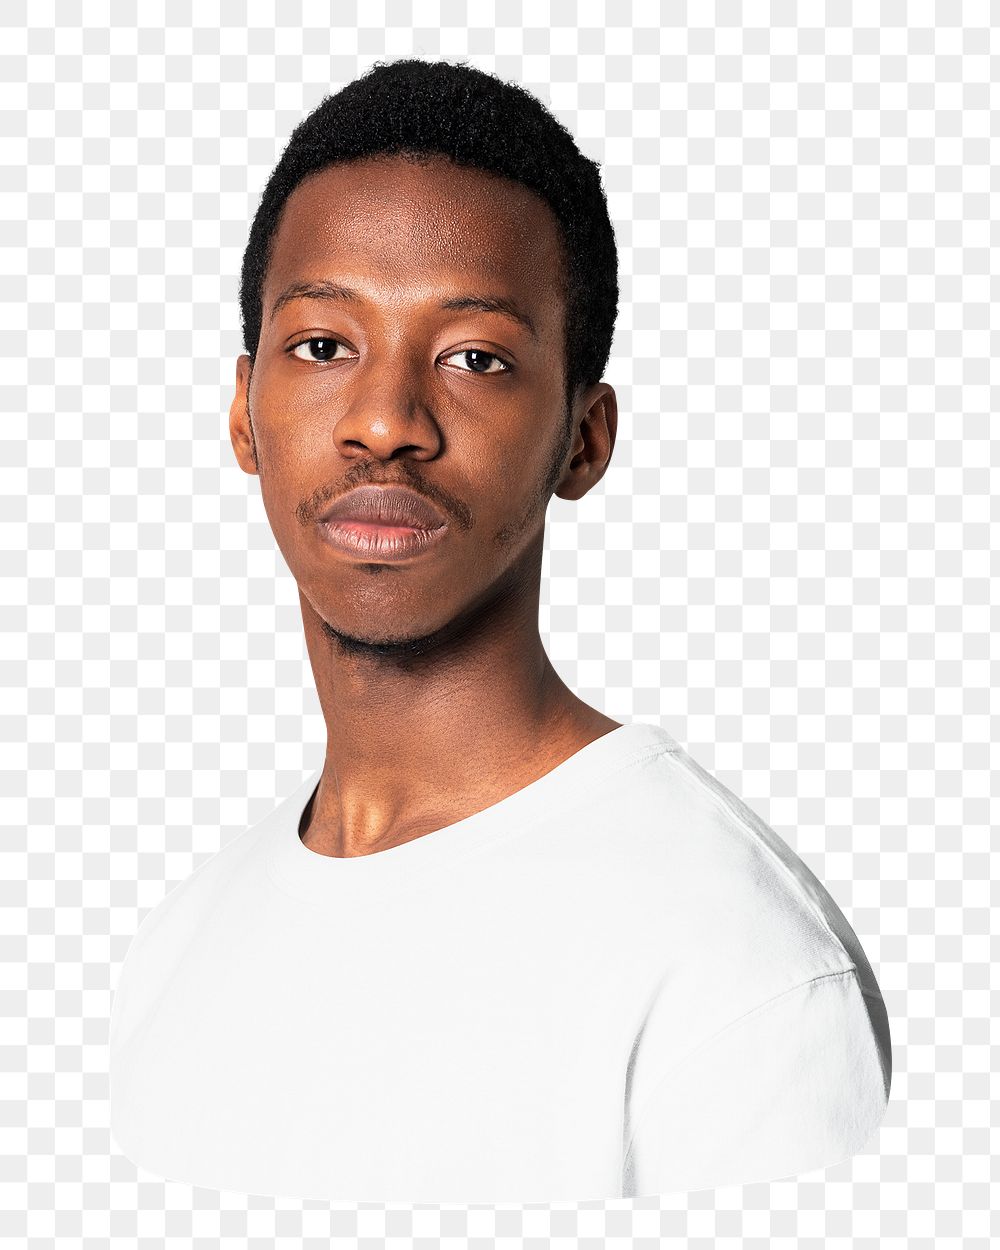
column 458, row 303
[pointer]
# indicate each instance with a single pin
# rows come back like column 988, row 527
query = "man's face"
column 391, row 395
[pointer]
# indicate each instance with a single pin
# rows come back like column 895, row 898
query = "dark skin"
column 438, row 696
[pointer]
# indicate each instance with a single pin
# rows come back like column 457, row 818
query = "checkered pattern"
column 786, row 565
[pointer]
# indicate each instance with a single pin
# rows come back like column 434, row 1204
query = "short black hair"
column 416, row 108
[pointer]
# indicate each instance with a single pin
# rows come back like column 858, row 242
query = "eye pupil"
column 479, row 361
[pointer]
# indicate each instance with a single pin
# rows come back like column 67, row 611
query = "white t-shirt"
column 615, row 982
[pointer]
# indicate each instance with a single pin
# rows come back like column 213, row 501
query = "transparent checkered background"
column 786, row 565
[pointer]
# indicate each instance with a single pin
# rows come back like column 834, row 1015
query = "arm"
column 798, row 1083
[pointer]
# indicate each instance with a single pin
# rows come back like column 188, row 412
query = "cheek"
column 297, row 449
column 513, row 503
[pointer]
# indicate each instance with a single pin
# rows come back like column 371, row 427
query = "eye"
column 326, row 347
column 478, row 361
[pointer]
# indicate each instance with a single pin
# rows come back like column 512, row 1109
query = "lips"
column 382, row 523
column 392, row 506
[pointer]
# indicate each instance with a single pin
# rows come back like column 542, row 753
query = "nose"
column 387, row 410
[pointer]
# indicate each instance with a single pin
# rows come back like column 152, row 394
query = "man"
column 499, row 947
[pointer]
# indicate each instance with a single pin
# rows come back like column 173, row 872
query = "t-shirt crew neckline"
column 312, row 877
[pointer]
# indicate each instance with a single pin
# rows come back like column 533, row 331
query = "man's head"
column 423, row 199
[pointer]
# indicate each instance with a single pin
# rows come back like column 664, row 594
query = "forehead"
column 399, row 223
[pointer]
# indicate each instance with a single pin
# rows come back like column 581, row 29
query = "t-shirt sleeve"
column 798, row 1083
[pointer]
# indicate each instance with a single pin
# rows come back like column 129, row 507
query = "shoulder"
column 732, row 932
column 713, row 879
column 171, row 928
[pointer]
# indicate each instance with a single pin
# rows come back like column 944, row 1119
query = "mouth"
column 382, row 523
column 368, row 540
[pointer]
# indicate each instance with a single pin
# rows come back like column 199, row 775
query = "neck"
column 420, row 737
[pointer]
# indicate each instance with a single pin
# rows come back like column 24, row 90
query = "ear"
column 240, row 433
column 595, row 427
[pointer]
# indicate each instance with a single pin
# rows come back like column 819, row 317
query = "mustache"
column 310, row 509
